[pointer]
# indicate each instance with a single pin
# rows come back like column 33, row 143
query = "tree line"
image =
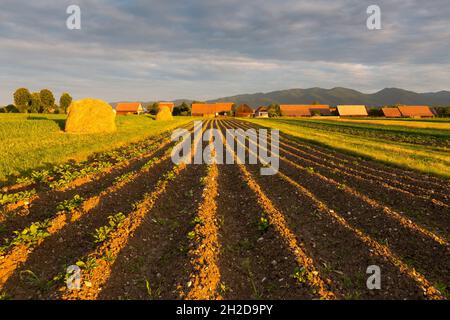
column 181, row 110
column 37, row 102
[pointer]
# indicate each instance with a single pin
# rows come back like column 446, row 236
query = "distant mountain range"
column 335, row 96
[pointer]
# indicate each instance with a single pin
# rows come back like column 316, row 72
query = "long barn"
column 124, row 108
column 244, row 111
column 416, row 111
column 304, row 110
column 391, row 112
column 211, row 109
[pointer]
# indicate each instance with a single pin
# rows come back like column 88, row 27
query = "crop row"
column 65, row 175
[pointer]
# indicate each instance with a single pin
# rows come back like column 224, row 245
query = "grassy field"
column 37, row 141
column 436, row 123
column 423, row 149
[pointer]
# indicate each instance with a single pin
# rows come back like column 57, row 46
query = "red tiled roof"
column 391, row 112
column 303, row 110
column 243, row 108
column 415, row 111
column 211, row 108
column 129, row 107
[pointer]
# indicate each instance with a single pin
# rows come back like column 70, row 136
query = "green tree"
column 22, row 99
column 375, row 112
column 447, row 112
column 153, row 108
column 274, row 110
column 47, row 100
column 9, row 109
column 64, row 102
column 35, row 104
column 182, row 110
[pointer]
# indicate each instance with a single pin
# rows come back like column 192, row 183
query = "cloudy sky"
column 162, row 50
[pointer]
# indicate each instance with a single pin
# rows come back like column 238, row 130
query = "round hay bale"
column 164, row 114
column 90, row 116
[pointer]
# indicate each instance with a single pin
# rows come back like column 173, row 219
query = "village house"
column 416, row 111
column 211, row 109
column 262, row 112
column 304, row 110
column 244, row 111
column 391, row 112
column 125, row 108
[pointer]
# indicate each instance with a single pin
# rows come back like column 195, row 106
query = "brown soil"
column 45, row 205
column 160, row 241
column 60, row 250
column 418, row 207
column 254, row 264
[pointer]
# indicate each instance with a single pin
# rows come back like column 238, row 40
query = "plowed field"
column 144, row 228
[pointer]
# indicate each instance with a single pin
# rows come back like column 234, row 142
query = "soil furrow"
column 45, row 194
column 76, row 239
column 254, row 262
column 47, row 200
column 409, row 177
column 156, row 258
column 296, row 161
column 432, row 197
column 19, row 253
column 106, row 254
column 205, row 277
column 340, row 255
column 46, row 206
column 277, row 219
column 380, row 249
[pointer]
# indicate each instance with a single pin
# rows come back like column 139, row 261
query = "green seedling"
column 32, row 235
column 191, row 235
column 263, row 224
column 71, row 204
column 114, row 222
column 89, row 264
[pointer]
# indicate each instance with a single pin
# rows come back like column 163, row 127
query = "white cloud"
column 202, row 49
